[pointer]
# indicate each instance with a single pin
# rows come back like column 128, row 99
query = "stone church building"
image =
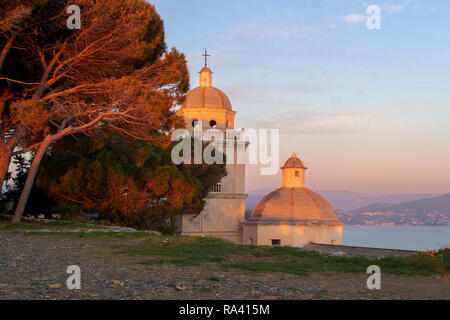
column 291, row 215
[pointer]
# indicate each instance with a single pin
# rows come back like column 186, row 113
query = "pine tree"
column 127, row 183
column 113, row 74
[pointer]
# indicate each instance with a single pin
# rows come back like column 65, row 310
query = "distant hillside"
column 345, row 200
column 428, row 212
column 254, row 197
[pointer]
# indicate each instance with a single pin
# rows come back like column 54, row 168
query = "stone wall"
column 290, row 235
column 222, row 218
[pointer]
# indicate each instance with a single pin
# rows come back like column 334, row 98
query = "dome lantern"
column 293, row 173
column 205, row 77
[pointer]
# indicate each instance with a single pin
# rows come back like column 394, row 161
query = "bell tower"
column 224, row 210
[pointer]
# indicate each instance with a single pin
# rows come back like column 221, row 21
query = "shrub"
column 428, row 261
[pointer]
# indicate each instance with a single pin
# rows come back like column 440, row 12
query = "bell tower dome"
column 207, row 105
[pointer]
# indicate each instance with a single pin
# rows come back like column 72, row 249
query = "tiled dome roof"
column 207, row 97
column 294, row 205
column 293, row 162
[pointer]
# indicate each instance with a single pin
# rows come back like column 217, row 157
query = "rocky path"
column 34, row 267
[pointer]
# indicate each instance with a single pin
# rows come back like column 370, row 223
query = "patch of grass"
column 195, row 251
column 22, row 226
column 74, row 224
column 56, row 224
column 278, row 266
column 178, row 262
column 96, row 235
column 157, row 262
column 183, row 251
column 192, row 251
column 444, row 254
column 213, row 279
column 205, row 249
column 324, row 263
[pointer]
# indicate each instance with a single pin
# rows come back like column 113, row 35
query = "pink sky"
column 366, row 162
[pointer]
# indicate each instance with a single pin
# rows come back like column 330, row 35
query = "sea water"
column 397, row 237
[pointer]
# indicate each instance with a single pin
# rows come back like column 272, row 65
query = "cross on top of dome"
column 206, row 55
column 206, row 73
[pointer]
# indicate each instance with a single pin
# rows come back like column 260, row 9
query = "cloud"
column 393, row 8
column 398, row 6
column 306, row 122
column 309, row 88
column 355, row 18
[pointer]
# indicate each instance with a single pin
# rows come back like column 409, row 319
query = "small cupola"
column 293, row 173
column 205, row 77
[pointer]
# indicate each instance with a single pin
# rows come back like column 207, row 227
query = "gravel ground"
column 34, row 267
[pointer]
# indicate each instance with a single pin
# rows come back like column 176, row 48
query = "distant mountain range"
column 425, row 212
column 346, row 200
column 377, row 209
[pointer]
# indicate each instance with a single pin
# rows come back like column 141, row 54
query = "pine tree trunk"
column 6, row 48
column 7, row 149
column 5, row 159
column 34, row 168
